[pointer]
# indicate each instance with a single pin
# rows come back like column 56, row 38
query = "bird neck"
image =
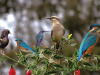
column 4, row 37
column 56, row 22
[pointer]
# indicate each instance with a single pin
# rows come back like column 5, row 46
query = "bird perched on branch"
column 24, row 47
column 40, row 37
column 4, row 40
column 89, row 42
column 57, row 31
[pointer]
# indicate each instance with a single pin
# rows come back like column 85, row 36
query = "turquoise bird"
column 89, row 42
column 94, row 26
column 24, row 47
column 40, row 37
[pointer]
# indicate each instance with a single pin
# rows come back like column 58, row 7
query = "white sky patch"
column 10, row 18
column 3, row 23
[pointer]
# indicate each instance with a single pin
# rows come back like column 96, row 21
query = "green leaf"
column 47, row 51
column 63, row 39
column 87, row 55
column 88, row 64
column 72, row 44
column 56, row 65
column 75, row 53
column 68, row 69
column 51, row 72
column 51, row 60
column 1, row 59
column 72, row 66
column 56, row 56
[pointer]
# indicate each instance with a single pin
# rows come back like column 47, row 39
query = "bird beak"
column 48, row 18
column 11, row 33
column 15, row 40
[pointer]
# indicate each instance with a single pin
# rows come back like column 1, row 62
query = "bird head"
column 5, row 33
column 19, row 40
column 54, row 18
column 94, row 26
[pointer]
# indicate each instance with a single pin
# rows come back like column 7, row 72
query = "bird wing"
column 23, row 44
column 39, row 39
column 1, row 41
column 88, row 41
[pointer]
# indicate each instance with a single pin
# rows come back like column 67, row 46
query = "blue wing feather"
column 88, row 41
column 23, row 44
column 39, row 39
column 80, row 49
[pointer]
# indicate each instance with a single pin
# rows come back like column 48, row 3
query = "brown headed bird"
column 57, row 31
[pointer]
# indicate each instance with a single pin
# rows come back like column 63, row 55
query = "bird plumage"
column 88, row 43
column 94, row 26
column 57, row 31
column 4, row 40
column 40, row 37
column 23, row 46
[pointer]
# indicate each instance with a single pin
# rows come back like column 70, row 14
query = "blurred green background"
column 25, row 18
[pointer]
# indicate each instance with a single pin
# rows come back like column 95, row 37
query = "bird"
column 94, row 26
column 4, row 40
column 40, row 37
column 57, row 31
column 89, row 42
column 24, row 47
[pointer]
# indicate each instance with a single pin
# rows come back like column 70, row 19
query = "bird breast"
column 57, row 32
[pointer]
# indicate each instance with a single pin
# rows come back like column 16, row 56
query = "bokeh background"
column 25, row 18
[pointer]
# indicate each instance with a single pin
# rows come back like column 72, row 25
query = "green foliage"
column 49, row 62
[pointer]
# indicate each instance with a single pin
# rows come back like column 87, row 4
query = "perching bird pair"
column 90, row 40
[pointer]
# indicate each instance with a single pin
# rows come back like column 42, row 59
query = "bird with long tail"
column 40, row 37
column 4, row 40
column 89, row 42
column 24, row 47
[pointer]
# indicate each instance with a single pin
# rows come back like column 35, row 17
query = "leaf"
column 41, row 55
column 51, row 72
column 72, row 66
column 47, row 51
column 63, row 39
column 30, row 55
column 68, row 69
column 72, row 44
column 56, row 56
column 97, row 67
column 52, row 46
column 56, row 65
column 85, row 63
column 87, row 55
column 75, row 53
column 51, row 60
column 1, row 59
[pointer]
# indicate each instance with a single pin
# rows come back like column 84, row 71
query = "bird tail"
column 57, row 46
column 35, row 52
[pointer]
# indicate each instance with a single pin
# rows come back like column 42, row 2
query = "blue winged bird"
column 24, row 47
column 40, row 37
column 89, row 42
